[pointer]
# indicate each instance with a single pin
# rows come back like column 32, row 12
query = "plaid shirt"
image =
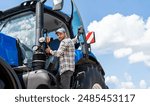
column 66, row 54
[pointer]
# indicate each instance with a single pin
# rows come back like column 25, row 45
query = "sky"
column 122, row 30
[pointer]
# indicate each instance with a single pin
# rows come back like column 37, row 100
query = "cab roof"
column 30, row 6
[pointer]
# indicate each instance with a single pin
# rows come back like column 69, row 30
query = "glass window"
column 21, row 27
column 54, row 44
column 76, row 23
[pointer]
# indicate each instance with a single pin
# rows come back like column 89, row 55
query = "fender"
column 79, row 55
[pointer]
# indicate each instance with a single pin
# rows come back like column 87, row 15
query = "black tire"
column 89, row 76
column 8, row 76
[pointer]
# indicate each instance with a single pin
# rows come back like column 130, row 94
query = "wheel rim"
column 96, row 86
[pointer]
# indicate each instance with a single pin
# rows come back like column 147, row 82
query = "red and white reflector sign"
column 90, row 37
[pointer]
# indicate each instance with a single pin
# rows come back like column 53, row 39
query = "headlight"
column 35, row 48
column 42, row 39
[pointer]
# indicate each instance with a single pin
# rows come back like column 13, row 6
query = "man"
column 66, row 54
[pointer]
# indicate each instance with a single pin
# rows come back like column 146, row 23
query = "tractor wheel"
column 89, row 76
column 8, row 78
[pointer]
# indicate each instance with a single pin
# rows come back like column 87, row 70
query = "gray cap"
column 60, row 30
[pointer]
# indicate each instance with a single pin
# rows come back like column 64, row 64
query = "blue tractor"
column 23, row 61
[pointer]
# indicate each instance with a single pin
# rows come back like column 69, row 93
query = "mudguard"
column 38, row 79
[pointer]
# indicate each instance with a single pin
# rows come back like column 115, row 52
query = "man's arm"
column 75, row 39
column 60, row 50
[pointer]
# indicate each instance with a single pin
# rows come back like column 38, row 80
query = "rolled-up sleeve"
column 60, row 51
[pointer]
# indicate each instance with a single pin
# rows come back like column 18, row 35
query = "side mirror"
column 57, row 4
column 80, row 30
column 90, row 37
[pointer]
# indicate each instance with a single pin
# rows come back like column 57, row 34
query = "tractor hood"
column 8, row 50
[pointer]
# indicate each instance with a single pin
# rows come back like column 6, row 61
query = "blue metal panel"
column 78, row 55
column 92, row 55
column 8, row 49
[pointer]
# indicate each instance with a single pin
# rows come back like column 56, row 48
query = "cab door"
column 76, row 22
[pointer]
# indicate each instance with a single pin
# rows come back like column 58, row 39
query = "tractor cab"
column 20, row 23
column 23, row 30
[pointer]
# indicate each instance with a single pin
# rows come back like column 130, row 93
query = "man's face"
column 60, row 35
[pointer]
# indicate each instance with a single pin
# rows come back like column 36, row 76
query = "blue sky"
column 122, row 29
column 126, row 71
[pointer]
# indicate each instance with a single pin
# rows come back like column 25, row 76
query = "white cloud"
column 127, row 85
column 112, row 79
column 119, row 53
column 127, row 76
column 139, row 57
column 126, row 82
column 143, row 84
column 124, row 36
column 114, row 29
column 114, row 82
